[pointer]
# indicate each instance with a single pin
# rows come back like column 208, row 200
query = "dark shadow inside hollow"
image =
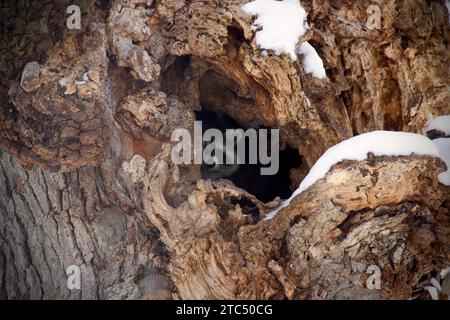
column 227, row 104
column 248, row 176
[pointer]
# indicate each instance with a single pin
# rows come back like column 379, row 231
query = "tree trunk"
column 86, row 177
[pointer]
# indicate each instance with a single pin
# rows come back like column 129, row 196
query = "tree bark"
column 86, row 178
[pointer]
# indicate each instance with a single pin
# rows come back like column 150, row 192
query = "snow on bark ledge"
column 311, row 61
column 443, row 144
column 380, row 143
column 441, row 123
column 282, row 23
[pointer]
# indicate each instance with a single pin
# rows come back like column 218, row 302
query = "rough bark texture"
column 86, row 178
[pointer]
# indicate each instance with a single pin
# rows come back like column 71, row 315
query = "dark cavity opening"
column 248, row 176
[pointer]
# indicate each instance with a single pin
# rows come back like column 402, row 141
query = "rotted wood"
column 86, row 178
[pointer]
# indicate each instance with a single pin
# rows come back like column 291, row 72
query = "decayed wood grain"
column 320, row 246
column 77, row 106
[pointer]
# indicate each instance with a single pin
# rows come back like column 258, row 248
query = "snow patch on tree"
column 380, row 143
column 440, row 285
column 312, row 63
column 443, row 144
column 280, row 24
column 441, row 123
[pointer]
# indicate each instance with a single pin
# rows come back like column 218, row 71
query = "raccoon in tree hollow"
column 246, row 176
column 218, row 168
